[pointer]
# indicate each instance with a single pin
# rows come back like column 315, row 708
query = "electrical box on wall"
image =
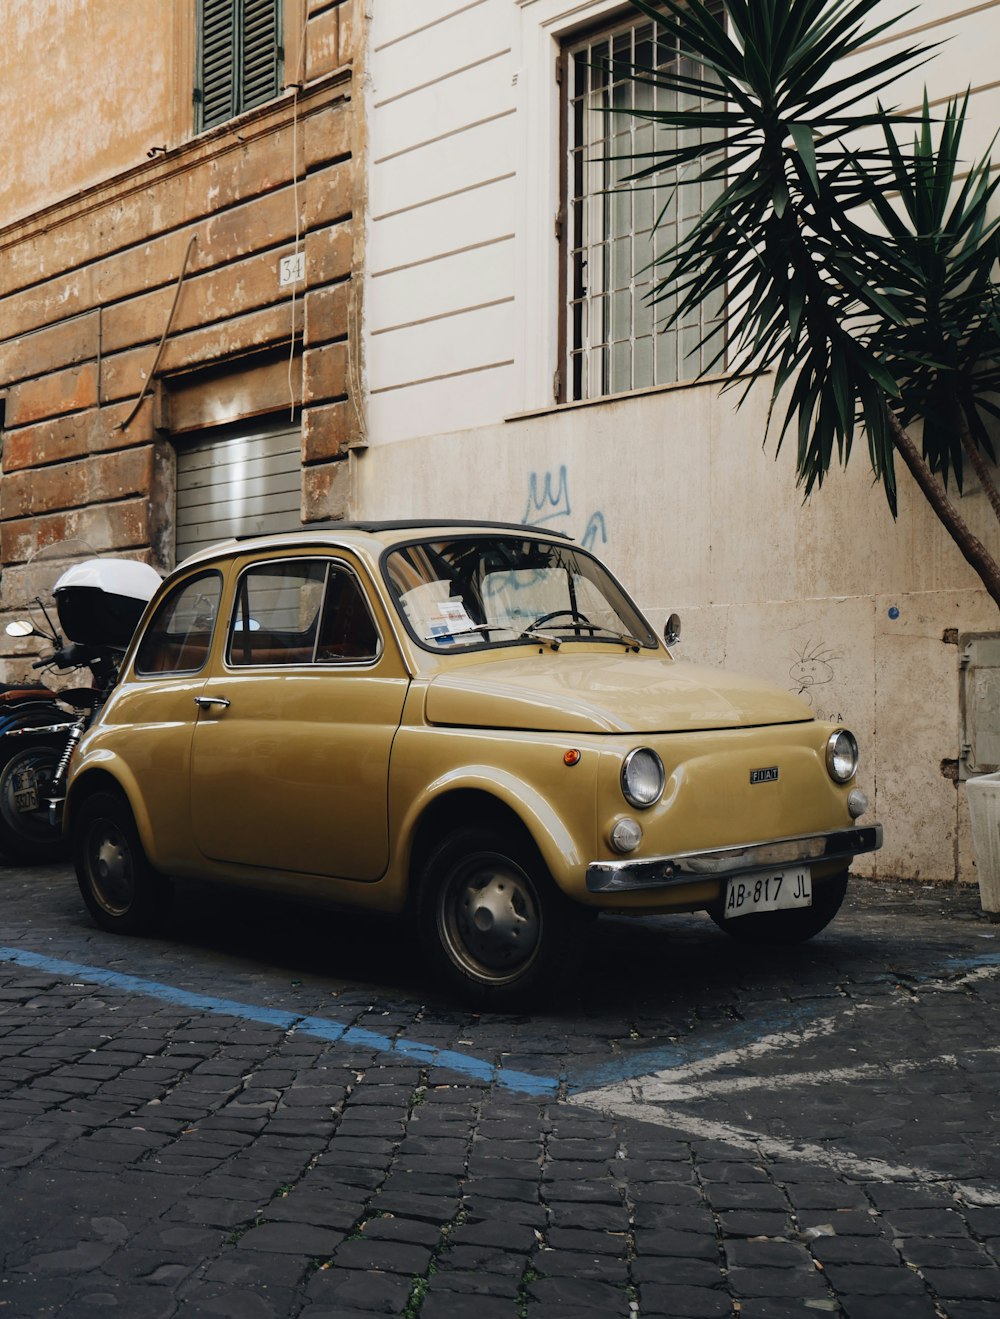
column 979, row 703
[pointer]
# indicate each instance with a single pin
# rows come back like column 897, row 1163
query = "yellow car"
column 469, row 724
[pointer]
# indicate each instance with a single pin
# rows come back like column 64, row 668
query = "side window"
column 348, row 632
column 300, row 611
column 179, row 634
column 239, row 58
column 277, row 613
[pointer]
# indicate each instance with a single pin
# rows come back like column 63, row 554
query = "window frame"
column 331, row 565
column 168, row 601
column 233, row 76
column 572, row 343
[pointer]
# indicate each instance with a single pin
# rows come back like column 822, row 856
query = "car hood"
column 595, row 693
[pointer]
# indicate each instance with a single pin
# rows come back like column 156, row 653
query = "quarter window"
column 615, row 340
column 180, row 633
column 239, row 60
column 296, row 612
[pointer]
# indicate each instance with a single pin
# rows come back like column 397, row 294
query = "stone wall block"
column 327, row 313
column 325, row 373
column 73, row 390
column 328, row 431
column 50, row 349
column 328, row 253
column 326, row 491
column 329, row 194
column 322, row 43
column 350, row 25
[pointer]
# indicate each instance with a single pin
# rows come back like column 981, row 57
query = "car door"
column 290, row 758
column 148, row 723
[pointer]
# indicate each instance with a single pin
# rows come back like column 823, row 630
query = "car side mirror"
column 672, row 630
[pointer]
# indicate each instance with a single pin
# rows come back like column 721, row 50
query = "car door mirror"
column 672, row 630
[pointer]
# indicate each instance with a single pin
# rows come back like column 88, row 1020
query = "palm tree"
column 859, row 274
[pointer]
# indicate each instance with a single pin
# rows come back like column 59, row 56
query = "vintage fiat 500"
column 470, row 725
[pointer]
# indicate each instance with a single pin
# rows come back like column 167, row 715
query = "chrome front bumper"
column 749, row 858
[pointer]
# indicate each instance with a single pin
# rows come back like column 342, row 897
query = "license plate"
column 777, row 891
column 25, row 788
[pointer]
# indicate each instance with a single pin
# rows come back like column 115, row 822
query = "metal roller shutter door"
column 237, row 485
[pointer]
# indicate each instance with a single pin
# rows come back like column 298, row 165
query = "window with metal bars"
column 615, row 231
column 239, row 57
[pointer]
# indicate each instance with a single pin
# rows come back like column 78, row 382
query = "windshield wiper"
column 630, row 642
column 543, row 637
column 467, row 631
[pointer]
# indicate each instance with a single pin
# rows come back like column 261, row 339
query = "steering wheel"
column 573, row 614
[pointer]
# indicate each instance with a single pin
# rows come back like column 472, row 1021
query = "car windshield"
column 498, row 590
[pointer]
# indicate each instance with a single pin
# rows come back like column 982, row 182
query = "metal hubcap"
column 111, row 872
column 491, row 919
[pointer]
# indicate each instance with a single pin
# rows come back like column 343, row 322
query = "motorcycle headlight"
column 643, row 779
column 842, row 755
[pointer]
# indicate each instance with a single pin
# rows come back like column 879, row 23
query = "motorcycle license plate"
column 778, row 891
column 25, row 787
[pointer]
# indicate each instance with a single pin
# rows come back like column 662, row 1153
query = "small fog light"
column 626, row 835
column 857, row 803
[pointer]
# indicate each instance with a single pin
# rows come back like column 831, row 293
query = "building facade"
column 177, row 251
column 514, row 371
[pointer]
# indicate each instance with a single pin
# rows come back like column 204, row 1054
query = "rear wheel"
column 25, row 779
column 492, row 923
column 792, row 926
column 123, row 892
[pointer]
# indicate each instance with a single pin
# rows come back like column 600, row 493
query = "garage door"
column 237, row 484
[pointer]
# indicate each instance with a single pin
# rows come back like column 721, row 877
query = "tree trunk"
column 980, row 467
column 973, row 550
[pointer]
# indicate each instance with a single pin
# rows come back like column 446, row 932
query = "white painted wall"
column 672, row 487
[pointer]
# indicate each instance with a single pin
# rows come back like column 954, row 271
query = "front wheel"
column 122, row 891
column 492, row 923
column 25, row 780
column 792, row 926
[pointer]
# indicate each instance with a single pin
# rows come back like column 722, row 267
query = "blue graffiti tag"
column 549, row 501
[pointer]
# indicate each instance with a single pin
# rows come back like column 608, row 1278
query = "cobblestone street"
column 269, row 1112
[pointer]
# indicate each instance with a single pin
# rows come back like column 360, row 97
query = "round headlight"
column 643, row 778
column 842, row 755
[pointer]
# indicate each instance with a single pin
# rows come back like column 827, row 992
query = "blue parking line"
column 323, row 1028
column 643, row 1062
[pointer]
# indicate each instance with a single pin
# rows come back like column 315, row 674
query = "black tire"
column 27, row 835
column 122, row 891
column 793, row 926
column 493, row 925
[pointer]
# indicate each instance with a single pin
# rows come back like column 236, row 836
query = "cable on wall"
column 300, row 73
column 124, row 425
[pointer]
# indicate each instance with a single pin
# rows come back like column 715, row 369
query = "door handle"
column 206, row 702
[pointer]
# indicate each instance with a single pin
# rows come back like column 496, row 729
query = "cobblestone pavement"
column 269, row 1112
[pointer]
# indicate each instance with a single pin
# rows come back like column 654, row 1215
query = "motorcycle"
column 98, row 604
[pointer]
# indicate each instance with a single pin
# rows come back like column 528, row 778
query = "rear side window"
column 300, row 611
column 179, row 634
